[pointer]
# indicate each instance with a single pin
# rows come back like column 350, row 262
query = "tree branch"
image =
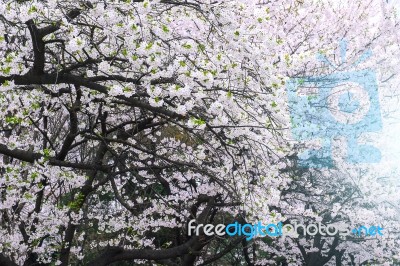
column 114, row 254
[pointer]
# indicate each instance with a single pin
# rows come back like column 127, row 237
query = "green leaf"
column 149, row 45
column 165, row 28
column 198, row 121
column 13, row 120
column 9, row 58
column 124, row 52
column 201, row 47
column 76, row 204
column 35, row 105
column 34, row 175
column 311, row 97
column 32, row 10
column 46, row 153
column 186, row 46
column 126, row 89
column 6, row 70
column 28, row 196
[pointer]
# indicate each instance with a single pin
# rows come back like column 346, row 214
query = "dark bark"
column 5, row 261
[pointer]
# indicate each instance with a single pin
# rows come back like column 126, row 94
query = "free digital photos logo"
column 259, row 229
column 341, row 104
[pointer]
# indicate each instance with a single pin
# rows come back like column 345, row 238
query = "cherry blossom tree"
column 332, row 198
column 346, row 195
column 123, row 120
